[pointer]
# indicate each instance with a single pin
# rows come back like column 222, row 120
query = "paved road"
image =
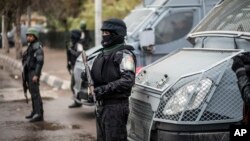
column 60, row 122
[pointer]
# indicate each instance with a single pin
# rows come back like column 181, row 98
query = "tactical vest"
column 105, row 69
column 29, row 59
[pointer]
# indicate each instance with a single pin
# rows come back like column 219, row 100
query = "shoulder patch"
column 127, row 63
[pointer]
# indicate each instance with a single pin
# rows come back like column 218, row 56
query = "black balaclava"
column 118, row 31
column 75, row 36
column 112, row 39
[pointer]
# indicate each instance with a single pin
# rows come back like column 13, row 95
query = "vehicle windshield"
column 229, row 15
column 136, row 18
column 158, row 2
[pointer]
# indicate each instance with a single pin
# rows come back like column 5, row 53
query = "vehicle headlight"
column 181, row 98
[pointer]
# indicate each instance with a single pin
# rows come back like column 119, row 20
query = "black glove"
column 69, row 68
column 238, row 66
column 71, row 51
column 237, row 63
column 245, row 56
column 99, row 92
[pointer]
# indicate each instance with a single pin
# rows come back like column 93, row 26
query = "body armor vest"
column 106, row 68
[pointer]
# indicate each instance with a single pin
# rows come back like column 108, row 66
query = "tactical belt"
column 114, row 101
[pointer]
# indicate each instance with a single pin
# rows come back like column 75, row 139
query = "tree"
column 14, row 9
column 111, row 8
column 21, row 6
column 61, row 14
column 5, row 44
column 57, row 12
column 4, row 12
column 18, row 8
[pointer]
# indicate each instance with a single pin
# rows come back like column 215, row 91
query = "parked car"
column 192, row 93
column 167, row 22
column 11, row 36
column 24, row 28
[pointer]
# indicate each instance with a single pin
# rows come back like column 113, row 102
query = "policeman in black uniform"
column 241, row 67
column 33, row 59
column 113, row 73
column 73, row 52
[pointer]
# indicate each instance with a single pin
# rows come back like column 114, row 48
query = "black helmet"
column 75, row 34
column 115, row 25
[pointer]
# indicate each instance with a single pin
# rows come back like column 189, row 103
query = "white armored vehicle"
column 154, row 29
column 192, row 93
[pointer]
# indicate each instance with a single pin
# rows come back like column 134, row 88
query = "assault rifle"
column 89, row 78
column 25, row 61
column 25, row 87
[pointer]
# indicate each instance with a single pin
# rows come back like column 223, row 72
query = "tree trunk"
column 5, row 44
column 18, row 43
column 29, row 16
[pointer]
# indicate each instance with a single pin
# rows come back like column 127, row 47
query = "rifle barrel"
column 89, row 78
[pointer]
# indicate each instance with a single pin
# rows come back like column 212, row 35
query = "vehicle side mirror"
column 147, row 38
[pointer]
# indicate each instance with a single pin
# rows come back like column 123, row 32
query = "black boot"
column 75, row 105
column 89, row 102
column 37, row 118
column 30, row 116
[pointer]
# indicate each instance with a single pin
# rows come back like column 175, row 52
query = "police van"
column 163, row 23
column 192, row 94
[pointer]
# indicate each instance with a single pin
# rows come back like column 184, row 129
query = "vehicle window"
column 173, row 27
column 135, row 18
column 231, row 15
column 147, row 2
column 158, row 2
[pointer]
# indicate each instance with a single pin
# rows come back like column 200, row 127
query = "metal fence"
column 235, row 17
column 208, row 97
column 58, row 40
column 142, row 114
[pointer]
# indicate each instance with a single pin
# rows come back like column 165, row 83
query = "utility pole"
column 98, row 21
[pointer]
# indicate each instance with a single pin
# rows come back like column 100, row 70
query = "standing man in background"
column 113, row 73
column 33, row 59
column 85, row 37
column 73, row 52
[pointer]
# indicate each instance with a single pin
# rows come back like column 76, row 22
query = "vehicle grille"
column 221, row 104
column 140, row 120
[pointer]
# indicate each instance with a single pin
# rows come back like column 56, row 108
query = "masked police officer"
column 33, row 59
column 73, row 52
column 241, row 67
column 113, row 73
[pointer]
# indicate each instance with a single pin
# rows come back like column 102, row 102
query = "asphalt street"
column 61, row 123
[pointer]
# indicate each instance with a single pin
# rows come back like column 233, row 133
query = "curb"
column 9, row 96
column 15, row 67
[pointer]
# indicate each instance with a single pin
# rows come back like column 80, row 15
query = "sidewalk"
column 54, row 71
